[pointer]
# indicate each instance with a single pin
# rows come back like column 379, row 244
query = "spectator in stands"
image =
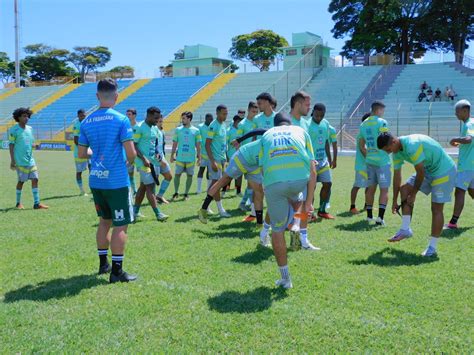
column 429, row 94
column 437, row 94
column 446, row 93
column 424, row 86
column 451, row 94
column 241, row 114
column 421, row 96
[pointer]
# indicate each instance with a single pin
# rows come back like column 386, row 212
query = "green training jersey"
column 370, row 130
column 76, row 133
column 466, row 151
column 418, row 148
column 251, row 153
column 302, row 122
column 187, row 139
column 360, row 164
column 319, row 135
column 264, row 122
column 217, row 133
column 146, row 139
column 203, row 128
column 22, row 140
column 232, row 134
column 332, row 134
column 244, row 127
column 286, row 155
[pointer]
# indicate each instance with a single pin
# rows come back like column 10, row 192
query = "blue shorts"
column 440, row 187
column 146, row 178
column 360, row 179
column 255, row 176
column 204, row 162
column 26, row 173
column 163, row 167
column 279, row 198
column 323, row 172
column 465, row 180
column 215, row 175
column 238, row 166
column 379, row 175
column 181, row 167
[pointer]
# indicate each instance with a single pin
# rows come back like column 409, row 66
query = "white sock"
column 284, row 272
column 199, row 182
column 433, row 242
column 209, row 184
column 220, row 208
column 406, row 219
column 304, row 236
column 296, row 222
column 266, row 226
column 252, row 212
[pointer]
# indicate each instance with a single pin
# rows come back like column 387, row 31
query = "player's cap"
column 462, row 104
column 282, row 119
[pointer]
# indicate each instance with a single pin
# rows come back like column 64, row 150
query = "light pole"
column 17, row 47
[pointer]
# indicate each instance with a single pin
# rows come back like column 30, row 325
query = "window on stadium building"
column 290, row 52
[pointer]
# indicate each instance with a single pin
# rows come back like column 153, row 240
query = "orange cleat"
column 19, row 206
column 325, row 215
column 249, row 218
column 40, row 206
column 354, row 211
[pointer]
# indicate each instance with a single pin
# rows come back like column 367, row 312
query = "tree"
column 166, row 71
column 123, row 71
column 260, row 48
column 45, row 62
column 87, row 59
column 451, row 26
column 381, row 26
column 7, row 68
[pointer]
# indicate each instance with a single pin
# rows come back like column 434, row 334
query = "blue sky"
column 146, row 33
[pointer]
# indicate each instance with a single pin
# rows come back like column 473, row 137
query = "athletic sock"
column 207, row 202
column 253, row 212
column 382, row 208
column 117, row 261
column 79, row 183
column 136, row 209
column 209, row 182
column 156, row 210
column 322, row 206
column 406, row 220
column 284, row 272
column 353, row 206
column 297, row 222
column 259, row 215
column 18, row 196
column 199, row 184
column 249, row 195
column 304, row 236
column 454, row 219
column 102, row 256
column 177, row 180
column 244, row 197
column 266, row 226
column 163, row 187
column 220, row 208
column 433, row 242
column 189, row 181
column 36, row 196
column 369, row 211
column 239, row 189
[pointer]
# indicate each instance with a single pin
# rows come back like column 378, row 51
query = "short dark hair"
column 366, row 115
column 188, row 114
column 208, row 115
column 236, row 118
column 319, row 107
column 240, row 110
column 132, row 110
column 265, row 96
column 107, row 85
column 219, row 108
column 376, row 105
column 384, row 139
column 20, row 111
column 252, row 104
column 298, row 96
column 281, row 119
column 152, row 110
column 81, row 110
column 274, row 102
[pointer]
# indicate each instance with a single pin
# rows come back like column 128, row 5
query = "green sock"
column 157, row 211
column 176, row 183
column 189, row 181
column 322, row 206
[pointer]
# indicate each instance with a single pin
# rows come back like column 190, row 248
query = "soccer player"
column 333, row 163
column 319, row 134
column 110, row 136
column 265, row 103
column 216, row 149
column 378, row 161
column 164, row 167
column 81, row 164
column 360, row 167
column 203, row 128
column 187, row 139
column 232, row 134
column 146, row 139
column 435, row 174
column 132, row 116
column 245, row 126
column 21, row 141
column 465, row 174
column 241, row 113
column 288, row 170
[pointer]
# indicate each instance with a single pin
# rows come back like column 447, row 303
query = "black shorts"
column 115, row 204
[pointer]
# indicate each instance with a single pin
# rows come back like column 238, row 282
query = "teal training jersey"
column 232, row 134
column 203, row 128
column 286, row 154
column 466, row 151
column 217, row 133
column 146, row 139
column 418, row 148
column 360, row 164
column 264, row 122
column 332, row 134
column 302, row 122
column 244, row 127
column 251, row 153
column 22, row 140
column 319, row 135
column 370, row 129
column 187, row 139
column 76, row 129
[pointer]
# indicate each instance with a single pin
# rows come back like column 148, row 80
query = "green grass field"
column 209, row 288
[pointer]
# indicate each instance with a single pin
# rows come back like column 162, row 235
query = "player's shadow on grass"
column 354, row 226
column 346, row 214
column 253, row 301
column 451, row 234
column 54, row 289
column 60, row 197
column 394, row 257
column 218, row 233
column 254, row 257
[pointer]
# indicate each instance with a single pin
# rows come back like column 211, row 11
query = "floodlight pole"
column 17, row 48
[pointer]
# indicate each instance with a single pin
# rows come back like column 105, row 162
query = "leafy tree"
column 122, row 71
column 45, row 62
column 260, row 48
column 87, row 59
column 7, row 68
column 166, row 71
